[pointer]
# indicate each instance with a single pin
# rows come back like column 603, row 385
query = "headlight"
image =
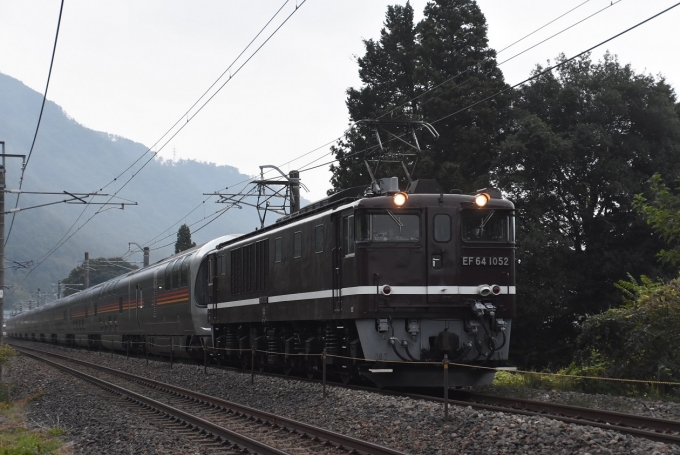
column 400, row 199
column 481, row 199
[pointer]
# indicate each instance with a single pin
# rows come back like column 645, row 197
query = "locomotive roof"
column 422, row 197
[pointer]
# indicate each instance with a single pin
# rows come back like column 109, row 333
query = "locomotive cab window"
column 387, row 226
column 488, row 226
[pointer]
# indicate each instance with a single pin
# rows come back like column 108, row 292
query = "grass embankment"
column 15, row 436
column 580, row 380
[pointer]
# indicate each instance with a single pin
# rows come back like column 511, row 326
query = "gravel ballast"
column 98, row 423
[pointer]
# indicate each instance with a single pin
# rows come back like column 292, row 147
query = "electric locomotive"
column 380, row 281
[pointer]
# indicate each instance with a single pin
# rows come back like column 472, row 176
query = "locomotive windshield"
column 488, row 226
column 387, row 226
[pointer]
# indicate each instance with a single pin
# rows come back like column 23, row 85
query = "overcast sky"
column 132, row 68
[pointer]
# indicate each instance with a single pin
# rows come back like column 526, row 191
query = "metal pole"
column 205, row 361
column 446, row 387
column 146, row 352
column 127, row 350
column 172, row 349
column 323, row 359
column 2, row 244
column 58, row 289
column 294, row 191
column 146, row 256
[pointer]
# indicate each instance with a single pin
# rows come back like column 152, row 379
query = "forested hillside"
column 70, row 157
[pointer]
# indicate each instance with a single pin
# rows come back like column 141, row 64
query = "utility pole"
column 58, row 289
column 2, row 244
column 2, row 236
column 145, row 250
column 86, row 266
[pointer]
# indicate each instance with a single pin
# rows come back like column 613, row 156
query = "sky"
column 133, row 68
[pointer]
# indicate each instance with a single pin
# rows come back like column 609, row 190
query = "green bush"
column 6, row 352
column 637, row 341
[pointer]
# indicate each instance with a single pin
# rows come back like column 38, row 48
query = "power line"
column 535, row 76
column 37, row 128
column 461, row 73
column 304, row 167
column 188, row 119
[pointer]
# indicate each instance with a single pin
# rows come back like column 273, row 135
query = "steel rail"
column 634, row 425
column 349, row 443
column 607, row 420
column 193, row 421
column 597, row 415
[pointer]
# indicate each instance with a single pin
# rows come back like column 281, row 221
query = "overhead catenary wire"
column 461, row 73
column 67, row 237
column 535, row 76
column 37, row 128
column 539, row 74
column 305, row 167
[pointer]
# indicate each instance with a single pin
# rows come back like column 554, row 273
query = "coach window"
column 318, row 239
column 168, row 276
column 349, row 235
column 184, row 274
column 297, row 244
column 442, row 227
column 175, row 273
column 277, row 250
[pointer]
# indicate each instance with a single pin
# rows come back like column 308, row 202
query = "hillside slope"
column 70, row 157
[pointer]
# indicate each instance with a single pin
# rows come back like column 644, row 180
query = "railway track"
column 222, row 426
column 661, row 430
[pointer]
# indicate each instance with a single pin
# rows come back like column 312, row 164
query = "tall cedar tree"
column 449, row 50
column 586, row 139
column 183, row 239
column 101, row 269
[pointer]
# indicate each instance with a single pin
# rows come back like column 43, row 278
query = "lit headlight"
column 481, row 199
column 400, row 199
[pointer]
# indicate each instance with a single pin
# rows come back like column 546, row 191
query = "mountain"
column 69, row 157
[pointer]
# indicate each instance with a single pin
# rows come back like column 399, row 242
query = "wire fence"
column 172, row 347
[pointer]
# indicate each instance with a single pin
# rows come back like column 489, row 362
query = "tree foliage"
column 446, row 52
column 638, row 340
column 662, row 212
column 183, row 239
column 100, row 270
column 584, row 140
